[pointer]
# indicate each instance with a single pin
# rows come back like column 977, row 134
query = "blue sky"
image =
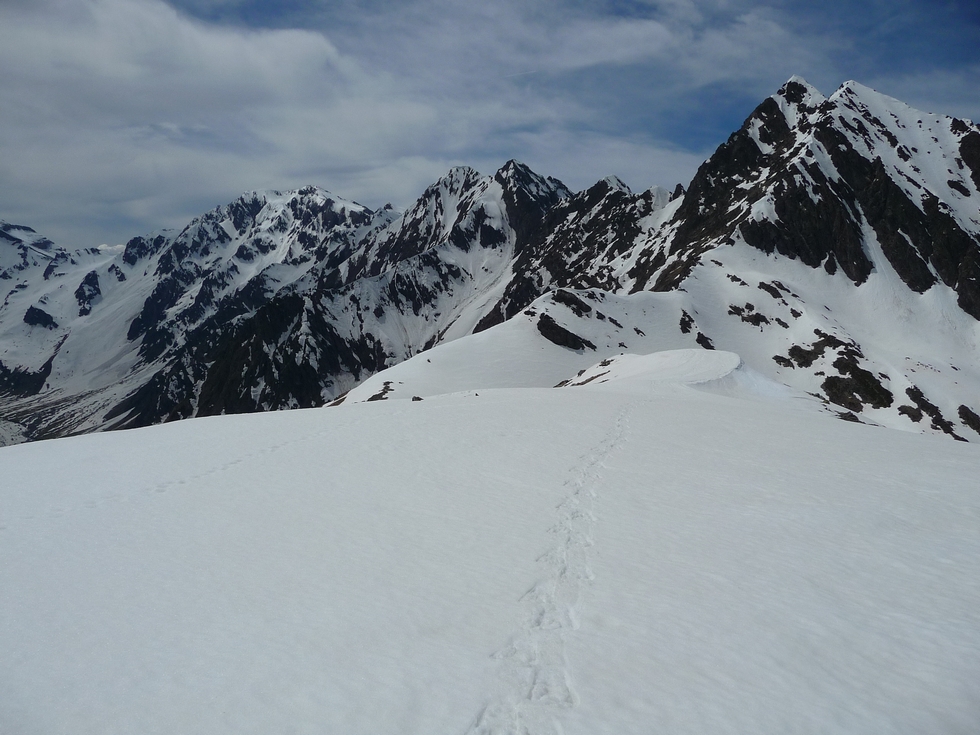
column 123, row 116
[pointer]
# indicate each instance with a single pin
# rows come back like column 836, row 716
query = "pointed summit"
column 513, row 167
column 465, row 175
column 616, row 184
column 797, row 98
column 517, row 175
column 799, row 91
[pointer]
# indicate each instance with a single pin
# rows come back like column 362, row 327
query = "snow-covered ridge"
column 687, row 367
column 307, row 269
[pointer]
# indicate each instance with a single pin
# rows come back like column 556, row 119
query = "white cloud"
column 124, row 109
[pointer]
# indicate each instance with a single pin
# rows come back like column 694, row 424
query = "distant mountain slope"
column 833, row 243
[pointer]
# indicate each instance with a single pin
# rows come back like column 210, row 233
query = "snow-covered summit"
column 521, row 176
column 616, row 184
column 797, row 99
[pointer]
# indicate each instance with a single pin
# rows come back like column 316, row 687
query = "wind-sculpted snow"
column 689, row 367
column 833, row 243
column 516, row 354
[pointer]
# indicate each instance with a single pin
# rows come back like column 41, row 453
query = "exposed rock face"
column 36, row 317
column 805, row 176
column 576, row 243
column 554, row 332
column 287, row 300
column 21, row 382
column 88, row 292
column 139, row 248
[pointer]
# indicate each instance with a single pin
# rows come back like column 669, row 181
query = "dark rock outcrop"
column 37, row 317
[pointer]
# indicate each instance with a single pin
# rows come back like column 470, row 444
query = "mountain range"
column 833, row 243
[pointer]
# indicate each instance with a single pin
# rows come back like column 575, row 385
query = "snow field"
column 598, row 559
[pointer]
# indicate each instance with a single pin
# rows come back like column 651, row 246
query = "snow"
column 644, row 554
column 678, row 366
column 94, row 364
column 754, row 128
column 914, row 339
column 616, row 184
column 10, row 433
column 811, row 98
column 928, row 139
column 514, row 354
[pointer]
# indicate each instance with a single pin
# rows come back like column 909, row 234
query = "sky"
column 120, row 117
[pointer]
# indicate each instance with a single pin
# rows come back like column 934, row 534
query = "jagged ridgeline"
column 833, row 243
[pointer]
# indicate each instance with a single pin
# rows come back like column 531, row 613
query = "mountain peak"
column 517, row 175
column 797, row 99
column 462, row 173
column 799, row 91
column 616, row 184
column 458, row 180
column 516, row 172
column 7, row 227
column 856, row 90
column 513, row 165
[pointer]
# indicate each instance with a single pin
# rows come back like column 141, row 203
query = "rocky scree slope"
column 833, row 243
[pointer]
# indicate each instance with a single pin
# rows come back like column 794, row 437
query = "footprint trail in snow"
column 534, row 685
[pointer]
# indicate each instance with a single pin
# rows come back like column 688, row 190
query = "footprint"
column 535, row 684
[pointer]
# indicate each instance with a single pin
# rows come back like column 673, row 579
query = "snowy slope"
column 667, row 547
column 537, row 349
column 874, row 197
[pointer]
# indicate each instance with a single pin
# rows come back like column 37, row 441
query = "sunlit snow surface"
column 675, row 546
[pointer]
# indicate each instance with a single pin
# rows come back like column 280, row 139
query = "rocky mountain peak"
column 797, row 99
column 614, row 183
column 799, row 91
column 515, row 175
